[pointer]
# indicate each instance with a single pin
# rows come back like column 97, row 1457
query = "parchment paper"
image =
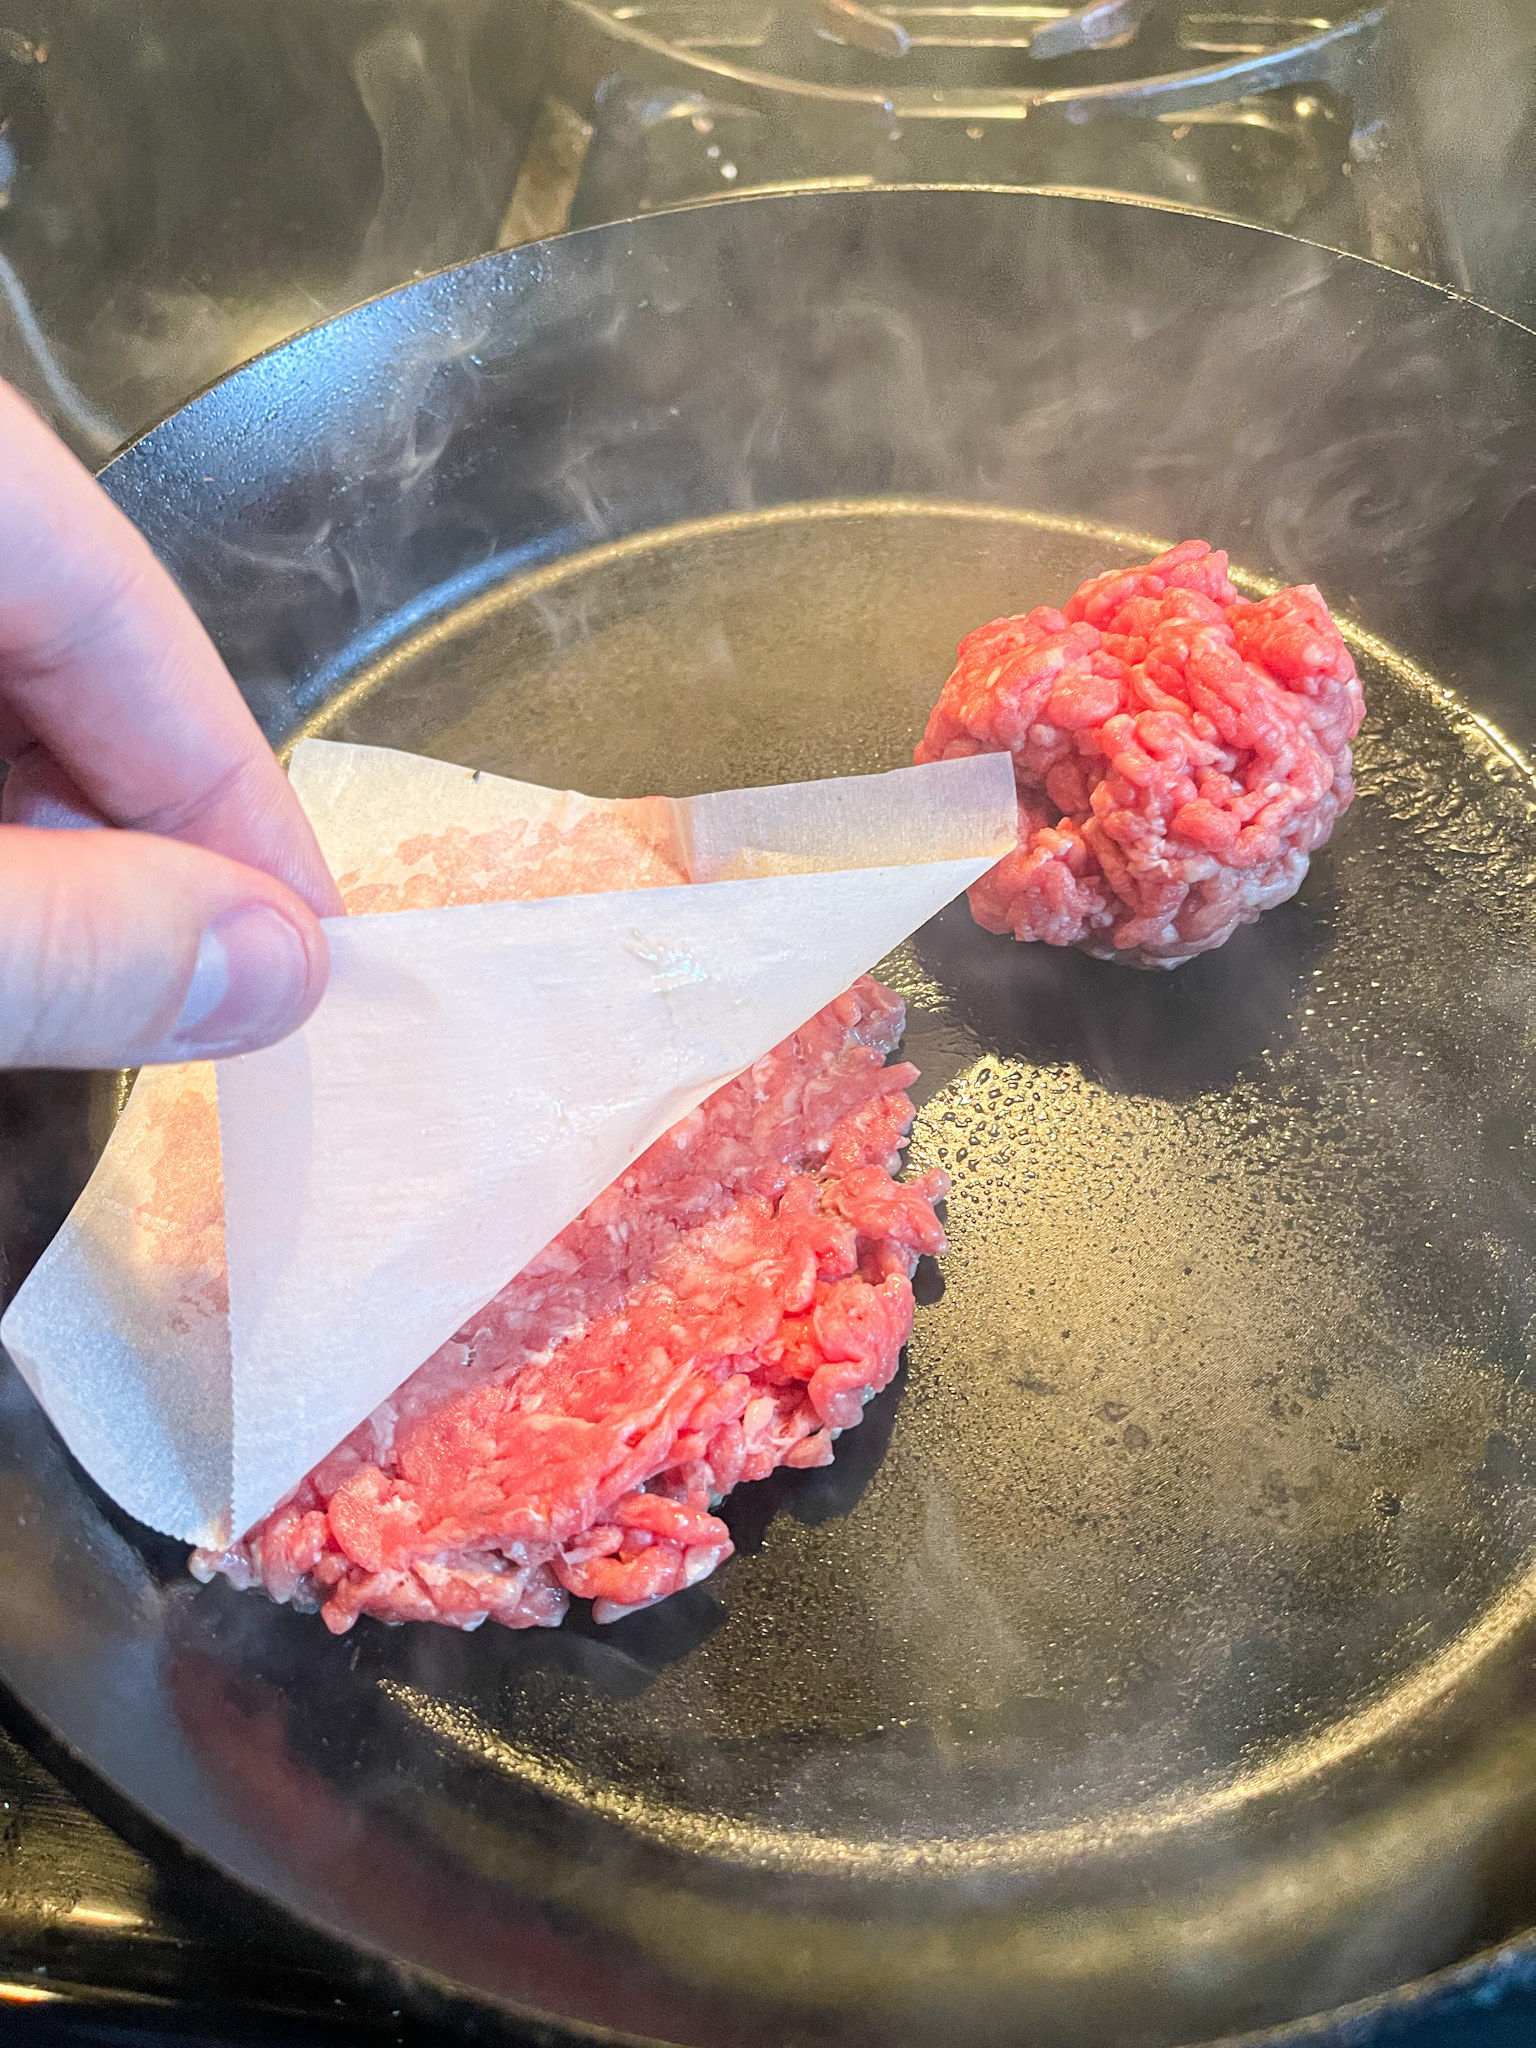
column 269, row 1248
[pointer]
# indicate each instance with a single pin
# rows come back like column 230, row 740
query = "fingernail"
column 250, row 980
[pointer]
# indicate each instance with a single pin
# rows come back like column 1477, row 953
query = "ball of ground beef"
column 1179, row 752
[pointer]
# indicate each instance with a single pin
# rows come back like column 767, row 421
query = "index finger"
column 104, row 662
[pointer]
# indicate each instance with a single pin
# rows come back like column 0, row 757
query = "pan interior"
column 1212, row 1466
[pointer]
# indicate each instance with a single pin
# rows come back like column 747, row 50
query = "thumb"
column 125, row 949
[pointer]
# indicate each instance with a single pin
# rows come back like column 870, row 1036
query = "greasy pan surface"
column 1151, row 1664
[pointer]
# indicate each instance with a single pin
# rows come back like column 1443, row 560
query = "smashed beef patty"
column 728, row 1305
column 1180, row 753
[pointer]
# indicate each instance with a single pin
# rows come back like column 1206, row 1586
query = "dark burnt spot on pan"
column 1189, row 1032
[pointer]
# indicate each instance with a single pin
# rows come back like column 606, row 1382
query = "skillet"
column 1152, row 1664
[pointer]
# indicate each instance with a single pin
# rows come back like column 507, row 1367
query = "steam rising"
column 1474, row 117
column 90, row 429
column 1100, row 366
column 419, row 116
column 446, row 99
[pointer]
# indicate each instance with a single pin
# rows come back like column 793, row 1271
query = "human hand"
column 190, row 927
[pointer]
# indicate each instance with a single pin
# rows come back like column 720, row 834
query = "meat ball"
column 1179, row 752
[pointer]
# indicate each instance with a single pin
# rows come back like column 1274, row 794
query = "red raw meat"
column 726, row 1306
column 1180, row 753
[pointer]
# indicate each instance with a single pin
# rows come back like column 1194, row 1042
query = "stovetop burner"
column 185, row 182
column 963, row 59
column 1292, row 120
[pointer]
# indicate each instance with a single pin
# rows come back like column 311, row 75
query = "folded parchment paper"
column 476, row 1074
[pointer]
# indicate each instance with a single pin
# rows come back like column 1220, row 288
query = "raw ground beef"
column 1180, row 753
column 726, row 1306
